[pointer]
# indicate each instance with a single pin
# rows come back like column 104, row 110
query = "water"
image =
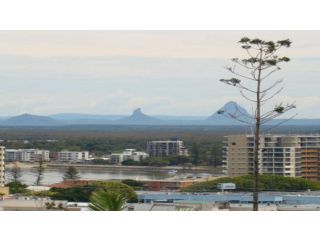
column 55, row 175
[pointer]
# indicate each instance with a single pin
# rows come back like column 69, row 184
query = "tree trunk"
column 257, row 143
column 256, row 167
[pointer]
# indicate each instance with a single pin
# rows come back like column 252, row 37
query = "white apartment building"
column 73, row 156
column 128, row 154
column 2, row 170
column 279, row 154
column 27, row 155
column 172, row 147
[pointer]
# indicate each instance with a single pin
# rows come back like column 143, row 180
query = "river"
column 55, row 175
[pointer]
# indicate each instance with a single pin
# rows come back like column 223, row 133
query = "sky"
column 162, row 72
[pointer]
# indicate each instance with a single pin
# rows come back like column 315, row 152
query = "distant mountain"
column 139, row 118
column 85, row 119
column 83, row 116
column 30, row 120
column 219, row 118
column 227, row 115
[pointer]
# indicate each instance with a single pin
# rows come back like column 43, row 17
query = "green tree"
column 40, row 170
column 15, row 173
column 74, row 194
column 215, row 156
column 104, row 200
column 195, row 154
column 83, row 193
column 250, row 78
column 17, row 187
column 71, row 173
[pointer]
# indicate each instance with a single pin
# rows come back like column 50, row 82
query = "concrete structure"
column 2, row 167
column 284, row 155
column 128, row 154
column 27, row 155
column 4, row 192
column 32, row 204
column 172, row 147
column 73, row 156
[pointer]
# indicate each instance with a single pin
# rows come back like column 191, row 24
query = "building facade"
column 128, row 154
column 173, row 147
column 284, row 155
column 2, row 167
column 26, row 155
column 73, row 156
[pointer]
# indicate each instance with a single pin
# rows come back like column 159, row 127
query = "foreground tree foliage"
column 266, row 183
column 83, row 193
column 104, row 200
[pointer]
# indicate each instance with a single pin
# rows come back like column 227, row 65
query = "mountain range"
column 223, row 116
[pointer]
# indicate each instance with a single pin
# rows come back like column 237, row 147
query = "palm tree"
column 103, row 200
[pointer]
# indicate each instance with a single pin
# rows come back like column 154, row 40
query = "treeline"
column 266, row 183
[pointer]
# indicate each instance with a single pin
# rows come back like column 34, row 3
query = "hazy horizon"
column 163, row 72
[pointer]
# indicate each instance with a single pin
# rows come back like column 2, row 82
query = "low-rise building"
column 73, row 156
column 26, row 155
column 128, row 154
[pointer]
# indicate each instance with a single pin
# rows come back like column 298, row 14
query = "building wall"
column 2, row 166
column 310, row 159
column 128, row 154
column 4, row 191
column 282, row 155
column 236, row 156
column 166, row 148
column 73, row 156
column 27, row 155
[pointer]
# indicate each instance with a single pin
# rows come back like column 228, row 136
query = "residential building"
column 73, row 156
column 26, row 155
column 285, row 155
column 172, row 147
column 2, row 169
column 128, row 154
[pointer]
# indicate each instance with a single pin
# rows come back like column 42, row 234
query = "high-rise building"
column 172, row 147
column 2, row 169
column 285, row 155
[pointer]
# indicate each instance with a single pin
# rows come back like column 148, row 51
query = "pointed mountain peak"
column 137, row 111
column 221, row 116
column 231, row 103
column 138, row 117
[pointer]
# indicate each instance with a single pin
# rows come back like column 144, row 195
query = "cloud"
column 117, row 85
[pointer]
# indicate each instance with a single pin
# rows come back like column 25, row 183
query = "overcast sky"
column 163, row 72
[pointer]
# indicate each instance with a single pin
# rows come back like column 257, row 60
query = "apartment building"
column 2, row 170
column 172, row 147
column 310, row 157
column 26, row 155
column 284, row 155
column 128, row 154
column 72, row 156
